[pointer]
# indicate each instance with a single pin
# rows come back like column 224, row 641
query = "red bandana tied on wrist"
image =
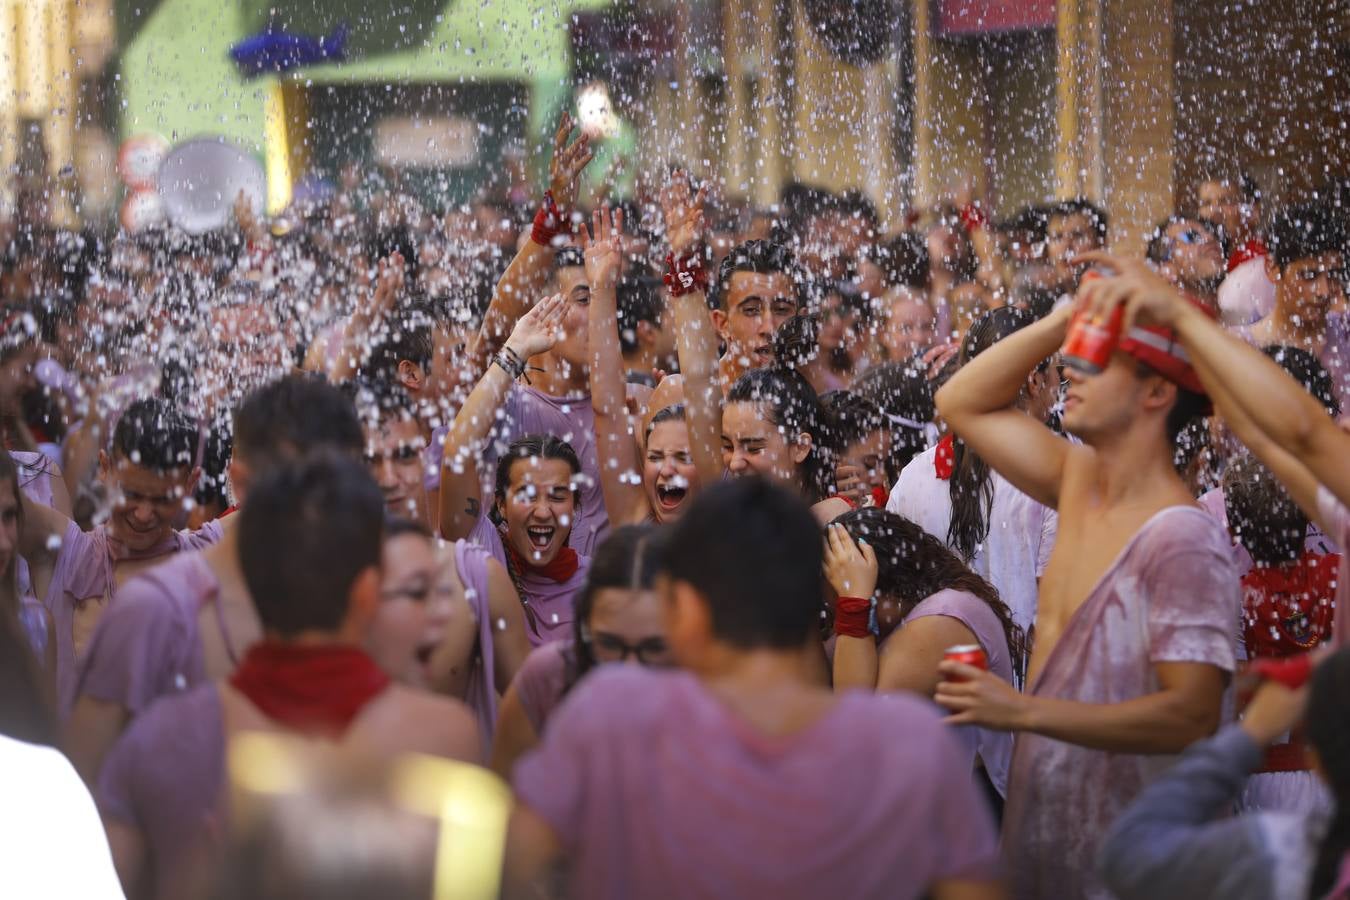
column 548, row 222
column 851, row 615
column 560, row 569
column 686, row 274
column 944, row 462
column 312, row 689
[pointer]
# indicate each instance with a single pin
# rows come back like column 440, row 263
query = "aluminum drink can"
column 970, row 654
column 1090, row 341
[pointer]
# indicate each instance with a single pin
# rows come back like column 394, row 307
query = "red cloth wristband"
column 851, row 616
column 1291, row 671
column 973, row 217
column 548, row 222
column 684, row 276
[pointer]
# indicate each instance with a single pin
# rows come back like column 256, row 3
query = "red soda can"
column 1090, row 341
column 970, row 654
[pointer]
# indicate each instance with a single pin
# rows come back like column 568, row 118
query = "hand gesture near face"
column 851, row 568
column 539, row 329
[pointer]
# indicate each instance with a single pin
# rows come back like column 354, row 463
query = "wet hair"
column 850, row 417
column 854, row 204
column 1327, row 725
column 640, row 299
column 1306, row 231
column 1081, row 206
column 406, row 336
column 971, row 487
column 760, row 257
column 1159, row 248
column 914, row 565
column 398, row 526
column 537, row 446
column 1261, row 514
column 752, row 550
column 673, row 413
column 905, row 397
column 628, row 560
column 1307, row 370
column 797, row 341
column 153, row 434
column 296, row 415
column 790, row 404
column 569, row 257
column 308, row 531
column 907, row 262
column 1187, row 411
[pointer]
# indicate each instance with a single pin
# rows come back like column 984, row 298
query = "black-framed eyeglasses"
column 653, row 652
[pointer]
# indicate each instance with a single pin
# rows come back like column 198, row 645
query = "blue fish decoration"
column 276, row 50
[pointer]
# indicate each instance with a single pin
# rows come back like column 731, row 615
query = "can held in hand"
column 970, row 654
column 1091, row 340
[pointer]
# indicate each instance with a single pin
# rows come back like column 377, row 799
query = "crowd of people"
column 668, row 512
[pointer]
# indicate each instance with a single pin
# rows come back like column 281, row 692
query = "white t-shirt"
column 52, row 843
column 1021, row 531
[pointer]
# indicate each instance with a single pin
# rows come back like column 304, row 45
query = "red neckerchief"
column 945, row 460
column 228, row 512
column 312, row 689
column 560, row 569
column 880, row 497
column 1288, row 609
column 1254, row 248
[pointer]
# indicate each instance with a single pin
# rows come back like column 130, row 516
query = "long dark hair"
column 914, row 565
column 1327, row 724
column 792, row 405
column 27, row 712
column 970, row 487
column 628, row 560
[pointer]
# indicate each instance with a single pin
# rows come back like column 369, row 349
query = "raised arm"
column 851, row 569
column 979, row 404
column 695, row 339
column 1245, row 377
column 615, row 445
column 461, row 491
column 528, row 272
column 357, row 336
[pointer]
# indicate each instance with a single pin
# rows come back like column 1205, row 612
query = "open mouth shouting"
column 540, row 538
column 670, row 494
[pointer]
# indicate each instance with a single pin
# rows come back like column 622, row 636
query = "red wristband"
column 851, row 615
column 686, row 275
column 548, row 222
column 973, row 217
column 1291, row 671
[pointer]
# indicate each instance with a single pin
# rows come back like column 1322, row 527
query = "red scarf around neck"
column 560, row 569
column 312, row 689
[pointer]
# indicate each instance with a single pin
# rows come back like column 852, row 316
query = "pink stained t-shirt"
column 994, row 748
column 1336, row 517
column 471, row 562
column 541, row 680
column 548, row 604
column 1172, row 595
column 84, row 572
column 657, row 789
column 148, row 644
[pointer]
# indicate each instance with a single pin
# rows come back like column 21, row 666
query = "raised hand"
column 388, row 282
column 603, row 247
column 568, row 160
column 539, row 329
column 1147, row 297
column 683, row 212
column 851, row 569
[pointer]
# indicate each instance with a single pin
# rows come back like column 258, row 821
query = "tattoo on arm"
column 471, row 508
